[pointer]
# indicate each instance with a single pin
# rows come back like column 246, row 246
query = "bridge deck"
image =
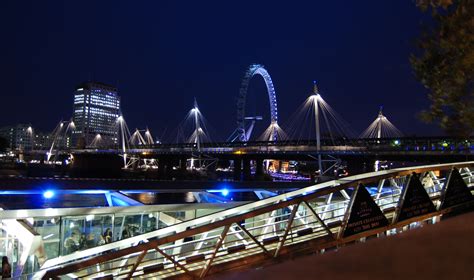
column 294, row 223
column 442, row 251
column 420, row 145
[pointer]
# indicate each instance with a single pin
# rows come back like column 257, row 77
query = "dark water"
column 38, row 201
column 151, row 198
column 30, row 193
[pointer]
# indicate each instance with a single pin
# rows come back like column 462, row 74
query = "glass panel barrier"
column 83, row 232
column 9, row 246
column 61, row 235
column 276, row 226
column 49, row 229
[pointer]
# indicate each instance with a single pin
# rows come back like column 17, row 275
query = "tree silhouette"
column 445, row 65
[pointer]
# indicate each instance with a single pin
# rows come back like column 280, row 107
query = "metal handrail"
column 225, row 219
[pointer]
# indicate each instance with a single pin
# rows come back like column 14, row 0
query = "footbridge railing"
column 313, row 219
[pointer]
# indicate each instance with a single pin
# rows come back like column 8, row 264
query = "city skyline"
column 236, row 139
column 159, row 80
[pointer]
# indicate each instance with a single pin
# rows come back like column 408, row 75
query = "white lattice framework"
column 273, row 132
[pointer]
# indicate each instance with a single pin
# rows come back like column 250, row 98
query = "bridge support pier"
column 259, row 169
column 164, row 167
column 182, row 164
column 237, row 169
column 247, row 173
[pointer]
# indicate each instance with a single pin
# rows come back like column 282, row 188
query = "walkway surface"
column 441, row 251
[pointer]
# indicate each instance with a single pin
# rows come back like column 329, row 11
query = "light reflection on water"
column 163, row 198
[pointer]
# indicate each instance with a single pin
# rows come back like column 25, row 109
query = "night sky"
column 162, row 54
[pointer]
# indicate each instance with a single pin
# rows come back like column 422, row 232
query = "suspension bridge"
column 313, row 219
column 314, row 132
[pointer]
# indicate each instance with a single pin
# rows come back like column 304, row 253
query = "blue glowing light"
column 48, row 194
column 118, row 202
column 91, row 191
column 224, row 192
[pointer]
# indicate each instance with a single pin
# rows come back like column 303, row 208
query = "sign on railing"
column 414, row 201
column 362, row 214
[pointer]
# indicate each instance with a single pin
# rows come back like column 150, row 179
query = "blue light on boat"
column 48, row 194
column 224, row 192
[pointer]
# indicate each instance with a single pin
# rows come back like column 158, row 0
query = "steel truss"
column 309, row 220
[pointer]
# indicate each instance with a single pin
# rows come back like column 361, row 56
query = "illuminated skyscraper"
column 96, row 109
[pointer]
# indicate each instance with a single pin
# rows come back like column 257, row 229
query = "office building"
column 96, row 109
column 19, row 137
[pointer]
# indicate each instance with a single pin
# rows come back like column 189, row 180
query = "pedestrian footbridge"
column 314, row 219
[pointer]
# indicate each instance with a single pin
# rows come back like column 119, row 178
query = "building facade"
column 42, row 141
column 96, row 109
column 19, row 137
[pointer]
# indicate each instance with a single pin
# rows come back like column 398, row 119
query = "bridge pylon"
column 381, row 127
column 316, row 97
column 59, row 138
